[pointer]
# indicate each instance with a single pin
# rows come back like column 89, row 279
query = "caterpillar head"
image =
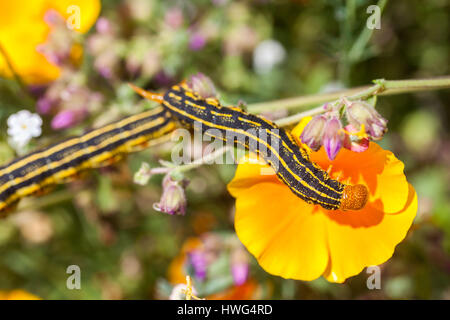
column 354, row 197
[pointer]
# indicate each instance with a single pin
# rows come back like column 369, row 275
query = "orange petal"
column 250, row 171
column 17, row 294
column 358, row 245
column 22, row 29
column 245, row 291
column 376, row 168
column 281, row 231
column 293, row 239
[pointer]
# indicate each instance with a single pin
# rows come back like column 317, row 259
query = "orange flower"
column 23, row 29
column 245, row 291
column 297, row 240
column 17, row 295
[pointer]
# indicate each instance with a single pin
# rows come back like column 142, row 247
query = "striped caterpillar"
column 305, row 178
column 99, row 147
column 61, row 162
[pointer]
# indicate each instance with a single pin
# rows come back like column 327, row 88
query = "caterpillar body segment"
column 59, row 163
column 292, row 165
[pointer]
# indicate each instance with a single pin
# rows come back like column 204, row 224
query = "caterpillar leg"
column 147, row 94
column 43, row 191
column 5, row 211
column 107, row 161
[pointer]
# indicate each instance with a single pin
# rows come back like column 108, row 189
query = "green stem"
column 417, row 84
column 346, row 39
column 29, row 100
column 297, row 117
column 13, row 71
column 10, row 65
column 202, row 160
column 381, row 87
column 301, row 102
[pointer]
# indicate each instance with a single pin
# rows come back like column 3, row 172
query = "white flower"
column 22, row 127
column 267, row 55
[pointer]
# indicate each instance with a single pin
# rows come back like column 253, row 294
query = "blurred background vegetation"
column 106, row 224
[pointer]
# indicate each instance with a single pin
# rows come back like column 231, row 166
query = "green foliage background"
column 104, row 221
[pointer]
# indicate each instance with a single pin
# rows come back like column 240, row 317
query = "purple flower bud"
column 63, row 119
column 377, row 129
column 56, row 58
column 333, row 137
column 312, row 135
column 66, row 119
column 52, row 17
column 202, row 85
column 173, row 200
column 199, row 263
column 44, row 105
column 361, row 113
column 37, row 90
column 239, row 271
column 239, row 265
column 197, row 41
column 163, row 79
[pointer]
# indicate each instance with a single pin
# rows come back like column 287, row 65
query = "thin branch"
column 381, row 87
column 204, row 159
column 13, row 71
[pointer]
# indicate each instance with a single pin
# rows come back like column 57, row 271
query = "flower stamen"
column 360, row 134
